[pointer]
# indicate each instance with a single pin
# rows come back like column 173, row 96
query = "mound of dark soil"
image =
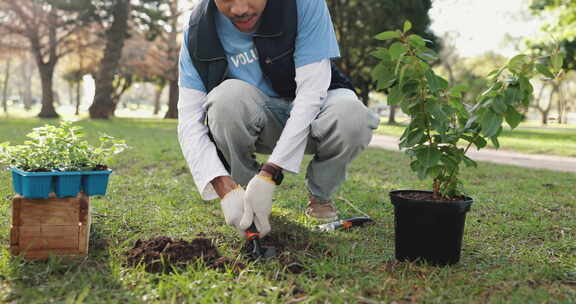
column 162, row 254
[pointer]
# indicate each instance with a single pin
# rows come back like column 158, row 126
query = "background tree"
column 152, row 64
column 120, row 15
column 172, row 49
column 8, row 55
column 104, row 102
column 47, row 31
column 81, row 62
column 562, row 29
column 25, row 82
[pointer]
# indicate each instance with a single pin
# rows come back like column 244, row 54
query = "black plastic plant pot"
column 428, row 231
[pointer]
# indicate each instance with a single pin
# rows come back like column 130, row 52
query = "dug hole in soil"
column 162, row 254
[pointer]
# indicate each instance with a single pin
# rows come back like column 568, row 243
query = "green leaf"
column 414, row 137
column 384, row 76
column 381, row 53
column 513, row 117
column 429, row 156
column 498, row 105
column 422, row 173
column 395, row 97
column 449, row 161
column 458, row 90
column 517, row 63
column 435, row 83
column 469, row 162
column 542, row 69
column 407, row 130
column 495, row 142
column 436, row 111
column 434, row 172
column 407, row 25
column 513, row 96
column 557, row 61
column 525, row 85
column 416, row 41
column 417, row 167
column 397, row 50
column 411, row 88
column 478, row 141
column 490, row 123
column 428, row 55
column 388, row 35
column 408, row 104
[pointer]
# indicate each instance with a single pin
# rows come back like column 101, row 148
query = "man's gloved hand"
column 258, row 204
column 233, row 208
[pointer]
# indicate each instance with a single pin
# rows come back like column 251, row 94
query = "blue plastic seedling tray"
column 63, row 184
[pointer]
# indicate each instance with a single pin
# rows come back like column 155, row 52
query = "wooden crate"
column 53, row 226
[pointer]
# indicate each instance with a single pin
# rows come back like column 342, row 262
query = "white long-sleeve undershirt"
column 312, row 82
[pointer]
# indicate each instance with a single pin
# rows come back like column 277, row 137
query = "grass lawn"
column 519, row 243
column 526, row 139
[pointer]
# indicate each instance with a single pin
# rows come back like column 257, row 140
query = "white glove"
column 258, row 204
column 233, row 207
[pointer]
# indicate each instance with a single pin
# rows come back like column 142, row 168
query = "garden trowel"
column 346, row 223
column 256, row 249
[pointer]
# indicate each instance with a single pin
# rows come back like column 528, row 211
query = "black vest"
column 275, row 42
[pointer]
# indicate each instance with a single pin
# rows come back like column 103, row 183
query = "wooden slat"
column 60, row 237
column 84, row 233
column 84, row 205
column 16, row 206
column 14, row 235
column 48, row 237
column 34, row 212
column 30, row 238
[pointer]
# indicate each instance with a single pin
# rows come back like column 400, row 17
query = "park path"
column 557, row 163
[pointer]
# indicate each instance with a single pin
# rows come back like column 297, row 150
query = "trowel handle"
column 252, row 232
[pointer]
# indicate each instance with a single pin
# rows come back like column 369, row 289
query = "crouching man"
column 256, row 77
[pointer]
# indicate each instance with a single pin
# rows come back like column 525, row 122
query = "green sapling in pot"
column 429, row 225
column 442, row 127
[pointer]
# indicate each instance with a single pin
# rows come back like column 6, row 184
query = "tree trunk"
column 173, row 50
column 103, row 106
column 5, row 88
column 46, row 68
column 172, row 100
column 364, row 92
column 26, row 74
column 78, row 96
column 392, row 115
column 544, row 117
column 71, row 93
column 562, row 117
column 158, row 94
column 546, row 110
column 46, row 75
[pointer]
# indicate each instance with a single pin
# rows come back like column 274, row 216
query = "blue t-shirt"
column 315, row 41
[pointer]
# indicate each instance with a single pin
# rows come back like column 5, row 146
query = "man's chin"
column 248, row 27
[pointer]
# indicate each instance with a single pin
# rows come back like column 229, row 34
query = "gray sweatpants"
column 244, row 121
